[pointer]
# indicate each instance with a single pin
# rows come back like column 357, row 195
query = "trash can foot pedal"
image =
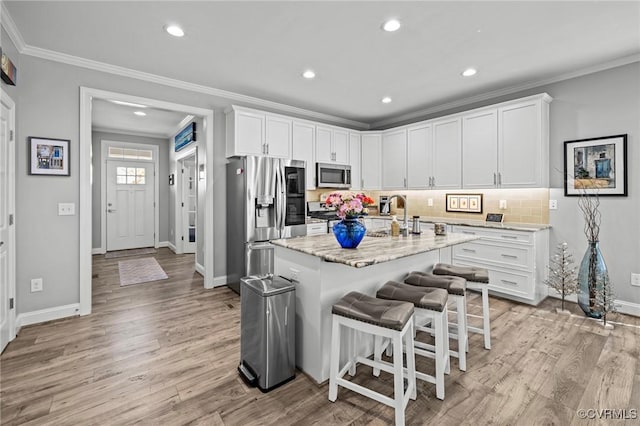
column 248, row 375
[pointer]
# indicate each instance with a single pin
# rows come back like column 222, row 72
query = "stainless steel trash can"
column 267, row 331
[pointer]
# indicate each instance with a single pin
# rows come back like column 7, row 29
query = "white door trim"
column 181, row 155
column 11, row 209
column 87, row 94
column 104, row 149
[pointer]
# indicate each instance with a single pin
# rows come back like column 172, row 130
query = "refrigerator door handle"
column 279, row 203
column 284, row 199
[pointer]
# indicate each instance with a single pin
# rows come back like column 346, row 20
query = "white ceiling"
column 259, row 49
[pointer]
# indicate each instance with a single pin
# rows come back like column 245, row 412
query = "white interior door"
column 130, row 204
column 7, row 258
column 189, row 204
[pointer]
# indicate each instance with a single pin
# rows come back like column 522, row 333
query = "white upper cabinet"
column 394, row 159
column 523, row 144
column 303, row 148
column 332, row 145
column 354, row 161
column 447, row 154
column 507, row 146
column 371, row 144
column 419, row 156
column 252, row 132
column 480, row 153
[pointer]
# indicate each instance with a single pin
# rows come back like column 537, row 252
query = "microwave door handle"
column 277, row 197
column 347, row 177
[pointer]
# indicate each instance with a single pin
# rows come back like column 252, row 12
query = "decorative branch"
column 590, row 206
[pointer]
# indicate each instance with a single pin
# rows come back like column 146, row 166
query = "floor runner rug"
column 136, row 271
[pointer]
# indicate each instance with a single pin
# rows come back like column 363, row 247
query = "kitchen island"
column 324, row 272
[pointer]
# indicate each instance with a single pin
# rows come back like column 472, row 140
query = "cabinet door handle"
column 509, row 256
column 495, row 179
column 509, row 282
column 361, row 183
column 511, row 237
column 433, row 181
column 468, row 250
column 469, row 232
column 500, row 179
column 405, row 182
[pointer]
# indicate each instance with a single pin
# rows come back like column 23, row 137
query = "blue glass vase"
column 591, row 277
column 349, row 232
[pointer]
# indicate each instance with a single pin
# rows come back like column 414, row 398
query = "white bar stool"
column 456, row 288
column 477, row 279
column 387, row 319
column 430, row 307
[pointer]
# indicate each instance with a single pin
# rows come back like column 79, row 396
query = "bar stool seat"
column 477, row 279
column 430, row 306
column 388, row 319
column 456, row 288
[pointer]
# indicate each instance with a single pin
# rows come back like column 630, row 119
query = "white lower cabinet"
column 316, row 228
column 516, row 260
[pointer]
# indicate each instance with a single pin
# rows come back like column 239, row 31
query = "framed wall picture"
column 464, row 203
column 596, row 166
column 48, row 156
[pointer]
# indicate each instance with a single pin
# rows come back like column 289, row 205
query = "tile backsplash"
column 530, row 205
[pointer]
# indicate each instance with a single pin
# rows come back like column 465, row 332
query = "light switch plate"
column 66, row 209
column 430, row 202
column 503, row 204
column 36, row 285
column 635, row 280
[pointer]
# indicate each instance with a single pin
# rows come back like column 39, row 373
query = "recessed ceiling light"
column 386, row 100
column 469, row 72
column 131, row 104
column 140, row 113
column 174, row 30
column 309, row 74
column 391, row 25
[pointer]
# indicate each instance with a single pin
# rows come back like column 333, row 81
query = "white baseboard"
column 98, row 250
column 220, row 281
column 48, row 314
column 163, row 244
column 628, row 308
column 172, row 247
column 200, row 269
column 571, row 298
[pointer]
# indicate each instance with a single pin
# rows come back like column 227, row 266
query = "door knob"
column 1, row 243
column 111, row 210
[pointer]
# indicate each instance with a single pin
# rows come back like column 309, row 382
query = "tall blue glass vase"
column 591, row 276
column 349, row 232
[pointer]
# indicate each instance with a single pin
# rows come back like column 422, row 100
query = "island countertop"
column 372, row 250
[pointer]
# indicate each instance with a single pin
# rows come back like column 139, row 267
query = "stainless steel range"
column 318, row 210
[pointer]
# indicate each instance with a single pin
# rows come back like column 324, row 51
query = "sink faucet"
column 404, row 228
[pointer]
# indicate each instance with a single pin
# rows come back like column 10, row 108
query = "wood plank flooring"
column 165, row 353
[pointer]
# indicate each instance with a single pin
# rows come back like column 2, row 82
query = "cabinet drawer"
column 504, row 235
column 512, row 283
column 316, row 228
column 503, row 255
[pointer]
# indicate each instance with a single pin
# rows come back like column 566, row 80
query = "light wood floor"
column 165, row 353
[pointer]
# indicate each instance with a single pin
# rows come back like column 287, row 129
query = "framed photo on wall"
column 48, row 156
column 596, row 166
column 464, row 203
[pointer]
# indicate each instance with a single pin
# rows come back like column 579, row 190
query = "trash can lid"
column 267, row 286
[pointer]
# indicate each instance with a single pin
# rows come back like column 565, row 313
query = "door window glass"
column 130, row 175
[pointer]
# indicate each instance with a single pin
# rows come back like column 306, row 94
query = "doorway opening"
column 187, row 202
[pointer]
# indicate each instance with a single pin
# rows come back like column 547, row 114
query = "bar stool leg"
column 411, row 361
column 377, row 353
column 335, row 360
column 353, row 340
column 461, row 315
column 398, row 379
column 486, row 326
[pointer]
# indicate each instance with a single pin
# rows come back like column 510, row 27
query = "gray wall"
column 162, row 176
column 604, row 103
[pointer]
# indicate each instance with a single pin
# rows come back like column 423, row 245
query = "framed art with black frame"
column 48, row 156
column 596, row 166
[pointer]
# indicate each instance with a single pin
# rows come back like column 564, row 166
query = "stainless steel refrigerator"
column 265, row 201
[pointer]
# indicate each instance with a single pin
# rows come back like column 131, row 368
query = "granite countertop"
column 372, row 250
column 309, row 220
column 515, row 226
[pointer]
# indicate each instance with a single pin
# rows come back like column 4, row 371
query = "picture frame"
column 48, row 156
column 464, row 203
column 185, row 136
column 596, row 166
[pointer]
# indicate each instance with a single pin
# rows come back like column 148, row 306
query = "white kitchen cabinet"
column 371, row 144
column 303, row 148
column 480, row 149
column 394, row 163
column 507, row 146
column 354, row 160
column 419, row 156
column 319, row 228
column 253, row 132
column 447, row 154
column 332, row 145
column 516, row 260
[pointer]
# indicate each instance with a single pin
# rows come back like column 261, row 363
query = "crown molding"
column 506, row 91
column 179, row 84
column 11, row 28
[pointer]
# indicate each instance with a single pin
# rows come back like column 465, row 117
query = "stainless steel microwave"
column 333, row 175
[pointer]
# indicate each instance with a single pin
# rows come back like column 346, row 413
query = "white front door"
column 130, row 204
column 7, row 260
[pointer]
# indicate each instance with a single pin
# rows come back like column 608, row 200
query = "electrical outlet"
column 635, row 280
column 36, row 285
column 503, row 204
column 295, row 274
column 66, row 209
column 430, row 202
column 553, row 204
